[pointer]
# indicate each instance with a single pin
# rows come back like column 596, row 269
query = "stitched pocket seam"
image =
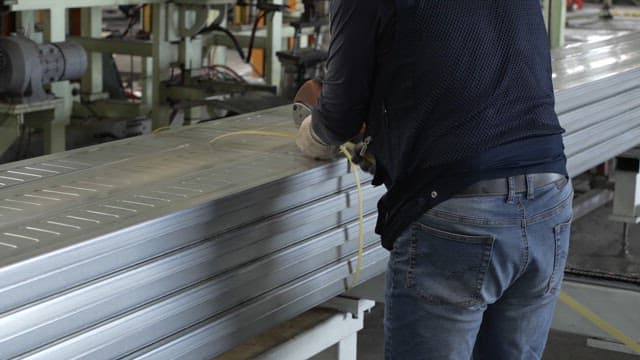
column 487, row 241
column 558, row 230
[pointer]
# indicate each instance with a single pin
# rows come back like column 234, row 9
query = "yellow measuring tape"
column 563, row 297
column 356, row 174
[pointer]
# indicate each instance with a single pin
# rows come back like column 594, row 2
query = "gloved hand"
column 361, row 157
column 311, row 146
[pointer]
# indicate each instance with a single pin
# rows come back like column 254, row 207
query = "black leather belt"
column 501, row 186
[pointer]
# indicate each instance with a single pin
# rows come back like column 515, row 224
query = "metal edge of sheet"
column 218, row 334
column 603, row 151
column 54, row 272
column 81, row 307
column 598, row 113
column 580, row 142
column 169, row 315
column 576, row 97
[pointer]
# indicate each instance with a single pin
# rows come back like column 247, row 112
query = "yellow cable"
column 356, row 174
column 254, row 132
column 159, row 130
column 599, row 322
column 566, row 299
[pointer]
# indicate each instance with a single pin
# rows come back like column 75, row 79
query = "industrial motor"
column 26, row 67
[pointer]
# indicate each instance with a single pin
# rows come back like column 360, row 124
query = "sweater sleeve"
column 346, row 90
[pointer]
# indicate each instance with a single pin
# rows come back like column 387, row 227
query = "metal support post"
column 92, row 28
column 348, row 348
column 557, row 19
column 220, row 53
column 55, row 136
column 161, row 65
column 55, row 131
column 147, row 83
column 626, row 201
column 274, row 44
column 26, row 25
column 191, row 53
column 9, row 130
column 191, row 56
column 545, row 12
column 345, row 349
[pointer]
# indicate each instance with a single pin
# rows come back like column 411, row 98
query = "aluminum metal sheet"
column 166, row 246
column 116, row 230
column 45, row 242
column 119, row 293
column 162, row 318
column 589, row 62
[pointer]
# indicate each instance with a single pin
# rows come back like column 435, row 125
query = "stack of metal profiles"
column 597, row 90
column 168, row 247
column 109, row 249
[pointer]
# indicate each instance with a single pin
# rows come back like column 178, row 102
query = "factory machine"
column 188, row 242
column 178, row 63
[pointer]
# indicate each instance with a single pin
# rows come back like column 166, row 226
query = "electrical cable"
column 230, row 35
column 229, row 71
column 254, row 30
column 132, row 15
column 132, row 21
column 356, row 174
column 563, row 297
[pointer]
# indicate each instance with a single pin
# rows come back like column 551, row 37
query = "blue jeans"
column 478, row 277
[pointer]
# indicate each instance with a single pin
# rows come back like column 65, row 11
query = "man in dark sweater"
column 458, row 104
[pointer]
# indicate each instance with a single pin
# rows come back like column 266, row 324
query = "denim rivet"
column 434, row 194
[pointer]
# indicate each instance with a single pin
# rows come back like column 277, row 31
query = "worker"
column 457, row 100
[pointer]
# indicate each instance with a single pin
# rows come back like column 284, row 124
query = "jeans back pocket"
column 448, row 268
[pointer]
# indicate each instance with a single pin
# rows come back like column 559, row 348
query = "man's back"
column 482, row 68
column 466, row 82
column 459, row 107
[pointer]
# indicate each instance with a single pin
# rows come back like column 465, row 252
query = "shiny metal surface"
column 166, row 246
column 601, row 119
column 589, row 62
column 120, row 236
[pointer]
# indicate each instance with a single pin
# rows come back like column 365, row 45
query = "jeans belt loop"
column 531, row 187
column 512, row 190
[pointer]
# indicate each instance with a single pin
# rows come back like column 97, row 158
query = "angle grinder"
column 306, row 99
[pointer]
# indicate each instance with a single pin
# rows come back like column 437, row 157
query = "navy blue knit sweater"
column 452, row 92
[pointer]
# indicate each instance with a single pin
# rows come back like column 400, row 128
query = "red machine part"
column 575, row 4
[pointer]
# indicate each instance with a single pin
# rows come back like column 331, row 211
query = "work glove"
column 311, row 146
column 362, row 157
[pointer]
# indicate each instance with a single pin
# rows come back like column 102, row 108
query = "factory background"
column 147, row 213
